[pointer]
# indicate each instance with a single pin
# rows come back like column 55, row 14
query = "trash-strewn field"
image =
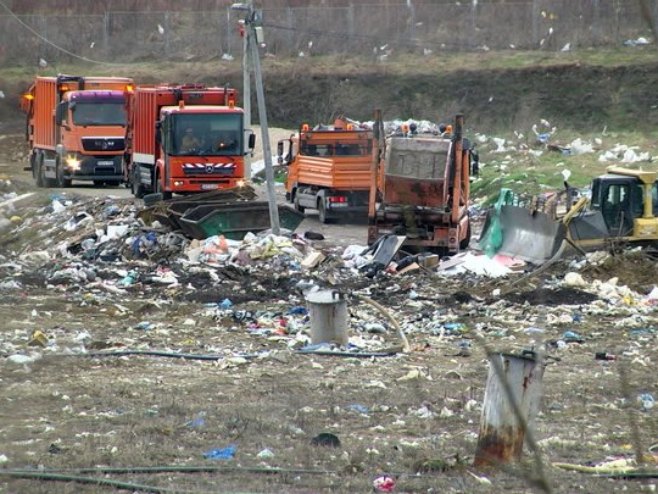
column 134, row 357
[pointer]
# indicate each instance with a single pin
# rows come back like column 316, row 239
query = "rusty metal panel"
column 416, row 171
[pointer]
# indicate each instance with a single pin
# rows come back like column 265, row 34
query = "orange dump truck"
column 76, row 129
column 329, row 169
column 185, row 138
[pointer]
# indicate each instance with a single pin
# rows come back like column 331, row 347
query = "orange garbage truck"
column 329, row 169
column 420, row 188
column 76, row 129
column 184, row 139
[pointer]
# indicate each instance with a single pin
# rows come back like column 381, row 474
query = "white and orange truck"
column 329, row 169
column 160, row 156
column 76, row 129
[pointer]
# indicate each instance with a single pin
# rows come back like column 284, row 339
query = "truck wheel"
column 158, row 189
column 136, row 186
column 322, row 212
column 59, row 171
column 34, row 159
column 298, row 207
column 39, row 172
column 463, row 245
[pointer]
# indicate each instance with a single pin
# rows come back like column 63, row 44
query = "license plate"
column 106, row 163
column 209, row 186
column 335, row 205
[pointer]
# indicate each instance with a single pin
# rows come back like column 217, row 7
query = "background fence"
column 358, row 28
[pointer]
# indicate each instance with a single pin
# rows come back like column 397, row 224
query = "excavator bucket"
column 532, row 236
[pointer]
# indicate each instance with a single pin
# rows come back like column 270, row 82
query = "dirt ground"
column 413, row 416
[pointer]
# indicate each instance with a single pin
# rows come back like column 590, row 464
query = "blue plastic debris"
column 572, row 337
column 196, row 423
column 226, row 453
column 226, row 304
column 453, row 327
column 145, row 325
column 298, row 310
column 143, row 243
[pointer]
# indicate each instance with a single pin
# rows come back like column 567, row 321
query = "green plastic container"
column 234, row 221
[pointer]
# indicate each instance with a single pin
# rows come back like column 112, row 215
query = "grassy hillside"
column 579, row 90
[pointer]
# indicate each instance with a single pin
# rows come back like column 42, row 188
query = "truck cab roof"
column 200, row 109
column 95, row 94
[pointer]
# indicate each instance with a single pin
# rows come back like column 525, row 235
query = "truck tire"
column 45, row 181
column 59, row 171
column 463, row 245
column 34, row 159
column 158, row 189
column 298, row 207
column 322, row 212
column 136, row 186
column 39, row 172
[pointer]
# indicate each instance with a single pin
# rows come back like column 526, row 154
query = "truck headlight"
column 72, row 163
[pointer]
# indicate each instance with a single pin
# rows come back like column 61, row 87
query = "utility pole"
column 246, row 88
column 252, row 32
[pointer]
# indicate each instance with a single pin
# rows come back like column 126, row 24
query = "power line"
column 46, row 40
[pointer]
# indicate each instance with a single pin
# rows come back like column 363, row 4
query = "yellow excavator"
column 622, row 208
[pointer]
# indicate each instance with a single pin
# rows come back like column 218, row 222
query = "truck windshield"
column 207, row 134
column 99, row 113
column 360, row 148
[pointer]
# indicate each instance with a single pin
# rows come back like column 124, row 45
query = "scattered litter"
column 265, row 454
column 646, row 401
column 326, row 439
column 364, row 410
column 384, row 483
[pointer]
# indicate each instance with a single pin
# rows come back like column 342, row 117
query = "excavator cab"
column 620, row 201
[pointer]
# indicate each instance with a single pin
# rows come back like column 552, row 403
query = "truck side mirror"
column 59, row 112
column 475, row 164
column 158, row 129
column 252, row 141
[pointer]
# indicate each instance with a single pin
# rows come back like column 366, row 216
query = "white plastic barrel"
column 328, row 312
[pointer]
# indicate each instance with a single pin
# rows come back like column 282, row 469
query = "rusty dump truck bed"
column 416, row 172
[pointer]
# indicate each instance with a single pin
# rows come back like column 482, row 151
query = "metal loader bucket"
column 532, row 236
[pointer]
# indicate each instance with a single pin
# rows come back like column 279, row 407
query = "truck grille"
column 209, row 168
column 103, row 143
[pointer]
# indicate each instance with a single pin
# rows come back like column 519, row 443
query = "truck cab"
column 186, row 139
column 92, row 136
column 329, row 169
column 76, row 128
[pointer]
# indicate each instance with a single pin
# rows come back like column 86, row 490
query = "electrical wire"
column 88, row 480
column 46, row 40
column 177, row 469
